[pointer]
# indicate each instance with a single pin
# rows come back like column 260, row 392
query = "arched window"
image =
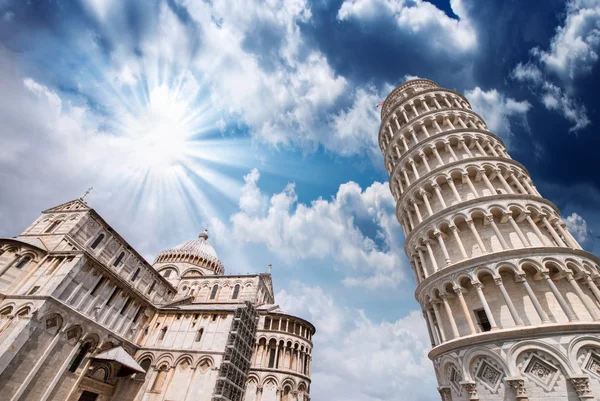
column 144, row 364
column 286, row 393
column 135, row 275
column 23, row 262
column 6, row 311
column 213, row 293
column 151, row 287
column 199, row 335
column 97, row 241
column 160, row 379
column 167, row 273
column 272, row 357
column 119, row 259
column 53, row 226
column 163, row 333
column 83, row 350
column 236, row 291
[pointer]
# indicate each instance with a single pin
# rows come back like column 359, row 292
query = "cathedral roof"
column 200, row 246
column 197, row 252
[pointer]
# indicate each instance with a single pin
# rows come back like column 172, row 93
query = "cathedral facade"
column 84, row 317
column 510, row 298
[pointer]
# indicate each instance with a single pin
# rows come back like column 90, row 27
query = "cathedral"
column 511, row 300
column 84, row 317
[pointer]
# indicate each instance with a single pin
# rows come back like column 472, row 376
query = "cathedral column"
column 61, row 370
column 465, row 308
column 589, row 305
column 395, row 117
column 509, row 303
column 413, row 164
column 38, row 364
column 561, row 301
column 444, row 297
column 479, row 287
column 79, row 286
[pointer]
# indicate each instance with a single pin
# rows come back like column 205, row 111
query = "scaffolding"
column 231, row 382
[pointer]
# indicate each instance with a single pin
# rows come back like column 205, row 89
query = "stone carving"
column 455, row 379
column 541, row 371
column 593, row 364
column 445, row 393
column 518, row 386
column 581, row 384
column 471, row 389
column 489, row 375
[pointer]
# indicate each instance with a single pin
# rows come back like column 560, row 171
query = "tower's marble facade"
column 510, row 298
column 83, row 317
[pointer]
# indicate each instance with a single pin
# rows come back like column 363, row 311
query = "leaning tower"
column 510, row 299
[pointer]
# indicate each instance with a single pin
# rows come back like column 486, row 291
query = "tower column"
column 473, row 229
column 509, row 303
column 561, row 301
column 436, row 311
column 463, row 252
column 444, row 297
column 591, row 308
column 479, row 287
column 536, row 304
column 465, row 309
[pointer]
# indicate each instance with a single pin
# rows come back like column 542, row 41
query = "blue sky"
column 257, row 120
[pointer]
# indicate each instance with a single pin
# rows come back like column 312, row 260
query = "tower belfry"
column 510, row 299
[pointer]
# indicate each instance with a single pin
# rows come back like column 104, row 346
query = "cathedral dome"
column 198, row 252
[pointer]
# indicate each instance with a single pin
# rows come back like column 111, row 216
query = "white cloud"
column 574, row 48
column 580, row 230
column 327, row 230
column 419, row 18
column 356, row 128
column 498, row 110
column 552, row 96
column 572, row 53
column 358, row 359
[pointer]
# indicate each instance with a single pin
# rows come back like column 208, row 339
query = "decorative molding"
column 518, row 386
column 471, row 389
column 581, row 384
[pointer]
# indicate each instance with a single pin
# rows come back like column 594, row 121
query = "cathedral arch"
column 532, row 265
column 205, row 363
column 482, row 271
column 6, row 311
column 165, row 359
column 185, row 357
column 74, row 333
column 270, row 379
